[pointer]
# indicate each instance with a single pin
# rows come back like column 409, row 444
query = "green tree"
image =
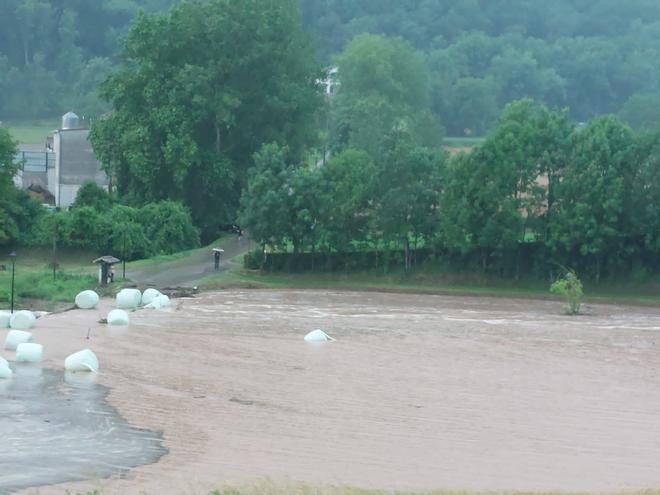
column 408, row 187
column 383, row 83
column 265, row 201
column 202, row 87
column 347, row 193
column 640, row 111
column 90, row 194
column 592, row 217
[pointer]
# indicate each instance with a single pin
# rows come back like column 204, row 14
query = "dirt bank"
column 418, row 392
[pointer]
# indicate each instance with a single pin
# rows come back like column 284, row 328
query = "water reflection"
column 57, row 427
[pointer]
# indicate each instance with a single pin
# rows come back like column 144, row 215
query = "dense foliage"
column 55, row 53
column 97, row 224
column 17, row 210
column 594, row 57
column 200, row 89
column 540, row 193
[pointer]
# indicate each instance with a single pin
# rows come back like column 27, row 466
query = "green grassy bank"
column 34, row 279
column 429, row 283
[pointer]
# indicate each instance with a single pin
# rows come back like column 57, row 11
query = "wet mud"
column 417, row 392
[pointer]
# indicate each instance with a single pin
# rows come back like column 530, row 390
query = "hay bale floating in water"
column 162, row 301
column 16, row 337
column 117, row 317
column 5, row 370
column 129, row 298
column 318, row 336
column 87, row 299
column 84, row 360
column 150, row 295
column 29, row 353
column 22, row 320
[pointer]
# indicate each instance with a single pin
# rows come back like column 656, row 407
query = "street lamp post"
column 123, row 255
column 12, row 255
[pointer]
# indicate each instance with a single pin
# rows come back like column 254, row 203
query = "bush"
column 570, row 288
column 92, row 195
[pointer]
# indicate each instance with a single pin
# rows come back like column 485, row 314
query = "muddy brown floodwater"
column 417, row 392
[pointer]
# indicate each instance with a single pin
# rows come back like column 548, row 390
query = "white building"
column 64, row 166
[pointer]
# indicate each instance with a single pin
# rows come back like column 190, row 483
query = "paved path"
column 188, row 271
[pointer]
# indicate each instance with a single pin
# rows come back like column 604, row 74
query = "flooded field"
column 56, row 427
column 417, row 392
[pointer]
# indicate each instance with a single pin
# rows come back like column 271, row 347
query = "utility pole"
column 123, row 255
column 13, row 270
column 54, row 248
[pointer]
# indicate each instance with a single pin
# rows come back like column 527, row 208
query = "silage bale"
column 155, row 304
column 29, row 353
column 5, row 317
column 5, row 371
column 317, row 336
column 117, row 317
column 16, row 337
column 84, row 360
column 164, row 301
column 22, row 320
column 129, row 298
column 87, row 299
column 3, row 362
column 149, row 295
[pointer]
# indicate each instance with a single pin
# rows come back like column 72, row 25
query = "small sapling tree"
column 570, row 288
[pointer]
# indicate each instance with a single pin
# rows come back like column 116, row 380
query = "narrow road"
column 188, row 271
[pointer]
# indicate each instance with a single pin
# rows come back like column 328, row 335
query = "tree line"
column 218, row 114
column 540, row 191
column 55, row 53
column 595, row 57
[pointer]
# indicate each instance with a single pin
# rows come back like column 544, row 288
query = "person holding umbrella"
column 216, row 257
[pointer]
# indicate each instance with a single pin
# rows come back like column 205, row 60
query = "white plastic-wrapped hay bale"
column 3, row 362
column 22, row 320
column 117, row 317
column 84, row 360
column 129, row 298
column 155, row 304
column 29, row 353
column 164, row 301
column 149, row 295
column 16, row 337
column 317, row 336
column 87, row 299
column 5, row 317
column 5, row 371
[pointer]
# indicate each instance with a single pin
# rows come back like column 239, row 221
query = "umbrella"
column 218, row 250
column 111, row 260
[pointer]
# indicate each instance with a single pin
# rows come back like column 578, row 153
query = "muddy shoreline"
column 418, row 393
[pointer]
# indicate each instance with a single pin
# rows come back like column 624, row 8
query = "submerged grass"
column 425, row 283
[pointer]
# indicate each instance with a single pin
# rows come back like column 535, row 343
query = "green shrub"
column 570, row 288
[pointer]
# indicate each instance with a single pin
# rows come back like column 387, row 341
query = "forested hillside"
column 54, row 53
column 592, row 56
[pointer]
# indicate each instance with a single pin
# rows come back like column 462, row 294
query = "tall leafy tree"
column 592, row 217
column 201, row 89
column 383, row 84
